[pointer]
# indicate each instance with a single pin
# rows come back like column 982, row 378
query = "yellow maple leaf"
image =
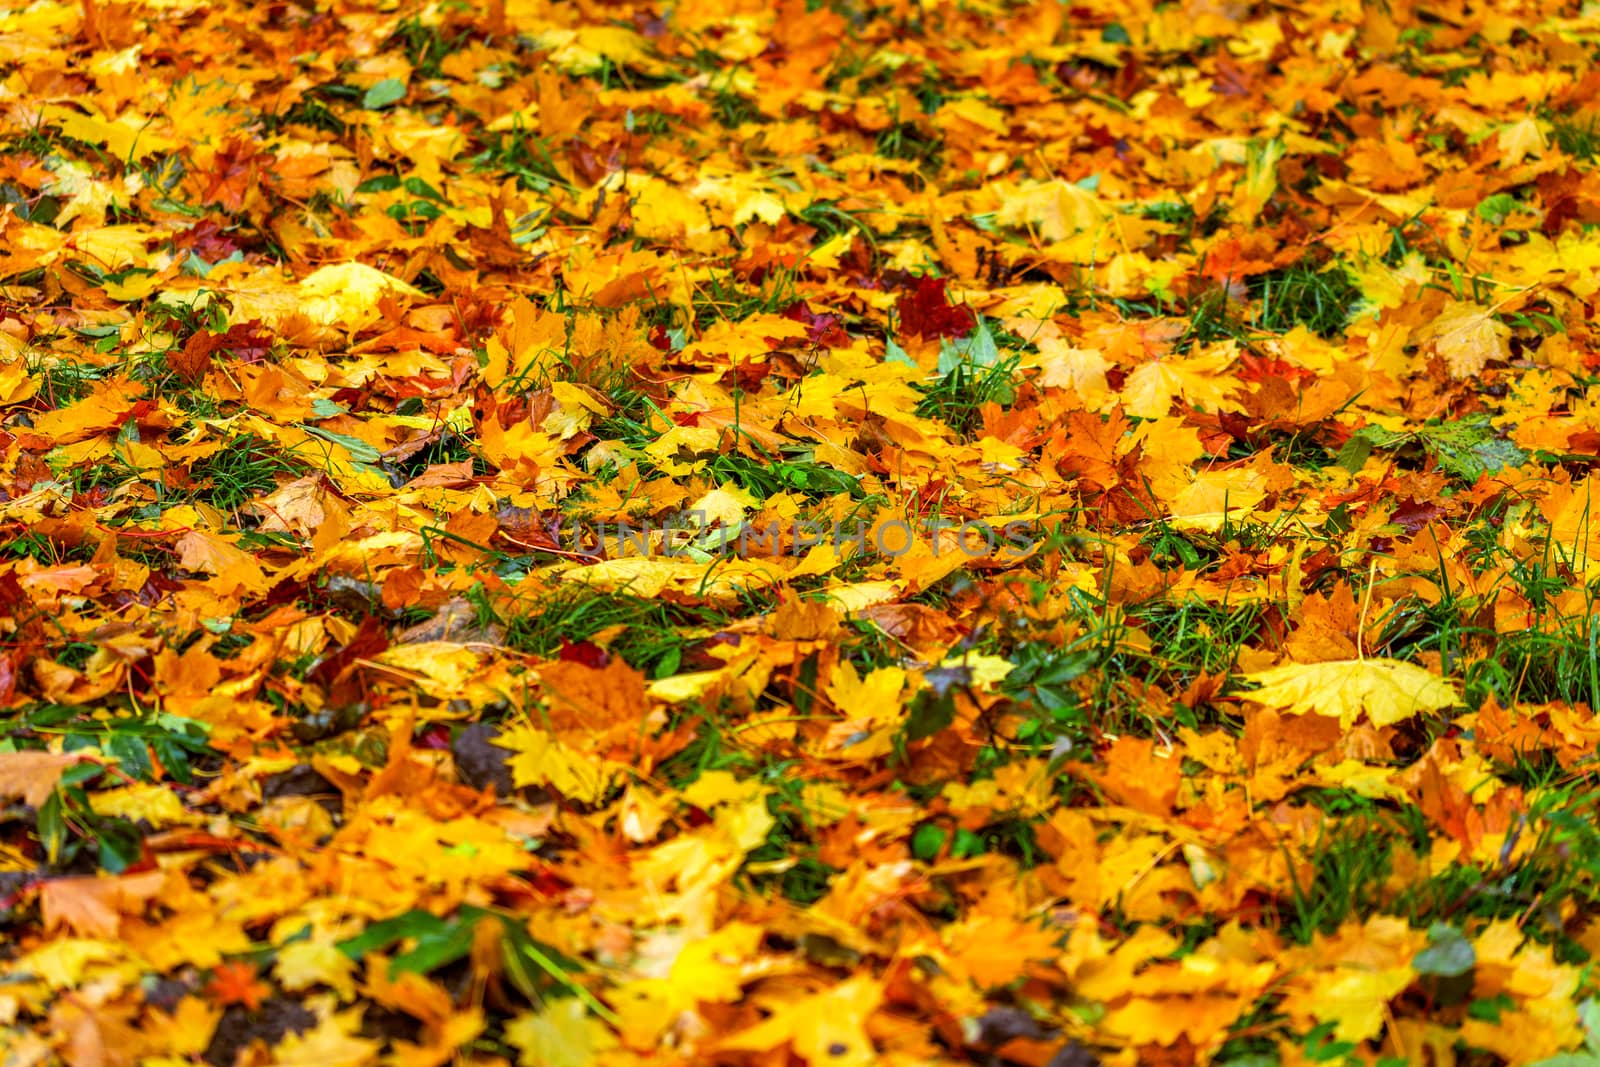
column 561, row 1035
column 318, row 961
column 331, row 1043
column 875, row 695
column 63, row 963
column 1212, row 496
column 1353, row 1000
column 1261, row 180
column 1083, row 370
column 1388, row 690
column 1520, row 139
column 16, row 384
column 152, row 803
column 542, row 760
column 824, row 1028
column 1059, row 209
column 347, row 293
column 744, row 340
column 1467, row 336
column 1150, row 390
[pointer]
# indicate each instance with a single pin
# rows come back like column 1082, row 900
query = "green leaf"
column 893, row 353
column 173, row 758
column 1448, row 953
column 418, row 187
column 1470, row 448
column 380, row 935
column 977, row 350
column 131, row 753
column 981, row 348
column 1495, row 208
column 359, row 450
column 436, row 948
column 928, row 839
column 929, row 715
column 79, row 773
column 52, row 827
column 382, row 183
column 121, row 844
column 386, row 92
column 1353, row 456
column 967, row 844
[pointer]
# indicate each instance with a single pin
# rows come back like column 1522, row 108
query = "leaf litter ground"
column 820, row 533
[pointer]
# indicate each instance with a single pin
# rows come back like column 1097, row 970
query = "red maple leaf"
column 925, row 311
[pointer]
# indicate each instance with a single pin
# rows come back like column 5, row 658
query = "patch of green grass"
column 311, row 110
column 957, row 399
column 831, row 220
column 1319, row 299
column 523, row 155
column 790, row 852
column 64, row 381
column 1052, row 716
column 731, row 108
column 427, row 45
column 1191, row 637
column 710, row 750
column 1349, row 865
column 910, row 141
column 31, row 545
column 1538, row 666
column 1577, row 134
column 724, row 296
column 1213, row 317
column 1551, row 888
column 247, row 468
column 653, row 639
column 1171, row 212
column 796, row 473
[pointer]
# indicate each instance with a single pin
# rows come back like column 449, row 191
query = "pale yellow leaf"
column 563, row 1034
column 1388, row 690
column 1467, row 336
column 348, row 293
column 318, row 961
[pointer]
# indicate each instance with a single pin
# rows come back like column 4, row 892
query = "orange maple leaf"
column 236, row 983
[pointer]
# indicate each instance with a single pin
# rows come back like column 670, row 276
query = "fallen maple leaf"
column 1467, row 337
column 824, row 1028
column 33, row 775
column 236, row 983
column 561, row 1035
column 1388, row 690
column 93, row 906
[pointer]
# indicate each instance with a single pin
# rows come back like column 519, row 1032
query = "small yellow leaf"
column 1467, row 337
column 152, row 803
column 561, row 1035
column 542, row 760
column 303, row 964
